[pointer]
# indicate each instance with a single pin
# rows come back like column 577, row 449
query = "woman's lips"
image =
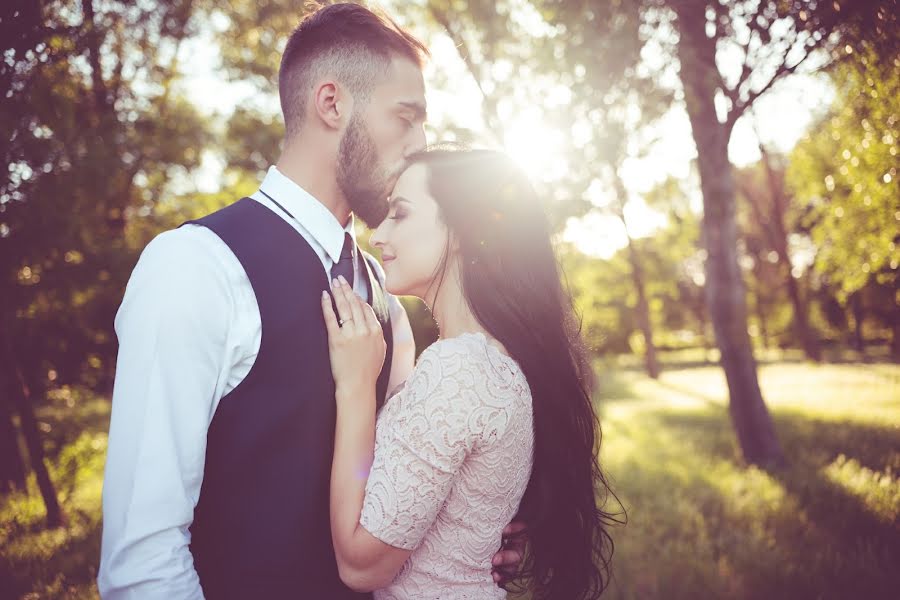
column 386, row 259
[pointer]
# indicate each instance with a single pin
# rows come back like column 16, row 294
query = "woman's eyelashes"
column 397, row 215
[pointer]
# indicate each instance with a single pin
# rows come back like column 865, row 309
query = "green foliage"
column 253, row 34
column 846, row 171
column 605, row 296
column 252, row 141
column 96, row 136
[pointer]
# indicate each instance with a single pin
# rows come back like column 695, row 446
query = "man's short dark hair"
column 348, row 40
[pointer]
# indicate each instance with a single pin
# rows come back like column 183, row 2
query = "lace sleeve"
column 435, row 421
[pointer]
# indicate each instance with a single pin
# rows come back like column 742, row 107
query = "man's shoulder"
column 187, row 252
column 181, row 278
column 189, row 242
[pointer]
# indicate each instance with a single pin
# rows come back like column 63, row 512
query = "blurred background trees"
column 844, row 175
column 112, row 135
column 94, row 135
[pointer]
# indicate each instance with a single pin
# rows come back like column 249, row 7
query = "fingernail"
column 334, row 283
column 324, row 294
column 341, row 277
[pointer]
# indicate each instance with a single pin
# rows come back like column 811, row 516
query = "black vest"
column 261, row 525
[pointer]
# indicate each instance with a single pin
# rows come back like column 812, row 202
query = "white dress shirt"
column 189, row 331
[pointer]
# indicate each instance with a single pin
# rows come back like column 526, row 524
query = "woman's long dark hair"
column 511, row 280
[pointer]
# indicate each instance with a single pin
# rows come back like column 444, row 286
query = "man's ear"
column 332, row 104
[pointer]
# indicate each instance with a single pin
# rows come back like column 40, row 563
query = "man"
column 223, row 414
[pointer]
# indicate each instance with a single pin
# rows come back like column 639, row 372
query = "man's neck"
column 317, row 176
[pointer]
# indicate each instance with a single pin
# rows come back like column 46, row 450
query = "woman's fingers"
column 344, row 300
column 353, row 348
column 506, row 560
column 505, row 567
column 355, row 311
column 342, row 304
column 371, row 320
column 331, row 323
column 514, row 528
column 354, row 315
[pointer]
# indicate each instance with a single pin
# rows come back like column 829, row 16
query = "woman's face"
column 412, row 238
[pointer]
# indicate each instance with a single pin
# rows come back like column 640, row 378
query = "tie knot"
column 347, row 250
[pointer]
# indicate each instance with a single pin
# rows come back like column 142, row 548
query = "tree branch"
column 443, row 19
column 782, row 71
column 98, row 86
column 747, row 68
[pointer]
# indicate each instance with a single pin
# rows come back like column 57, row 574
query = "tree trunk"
column 21, row 394
column 808, row 340
column 761, row 314
column 726, row 294
column 36, row 452
column 93, row 37
column 856, row 307
column 651, row 364
column 699, row 311
column 12, row 467
column 895, row 339
column 802, row 329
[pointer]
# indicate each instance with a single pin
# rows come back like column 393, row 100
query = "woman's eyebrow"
column 398, row 199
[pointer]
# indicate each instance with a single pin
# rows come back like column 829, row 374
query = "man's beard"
column 360, row 175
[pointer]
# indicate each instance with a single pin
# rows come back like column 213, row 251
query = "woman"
column 496, row 419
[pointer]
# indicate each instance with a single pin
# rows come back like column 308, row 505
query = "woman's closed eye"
column 398, row 209
column 398, row 214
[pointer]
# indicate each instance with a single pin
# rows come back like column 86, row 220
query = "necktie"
column 344, row 266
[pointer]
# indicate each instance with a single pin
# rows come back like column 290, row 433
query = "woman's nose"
column 377, row 239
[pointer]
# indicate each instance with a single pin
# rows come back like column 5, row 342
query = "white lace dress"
column 453, row 455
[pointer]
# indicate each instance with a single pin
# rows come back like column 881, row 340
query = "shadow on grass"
column 875, row 356
column 615, row 386
column 672, row 544
column 711, row 401
column 834, row 533
column 809, row 443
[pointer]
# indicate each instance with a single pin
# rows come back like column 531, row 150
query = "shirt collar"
column 309, row 212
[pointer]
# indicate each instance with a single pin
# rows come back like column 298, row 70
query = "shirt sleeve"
column 420, row 448
column 172, row 328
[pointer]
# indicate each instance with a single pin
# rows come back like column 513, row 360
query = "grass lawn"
column 703, row 525
column 700, row 524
